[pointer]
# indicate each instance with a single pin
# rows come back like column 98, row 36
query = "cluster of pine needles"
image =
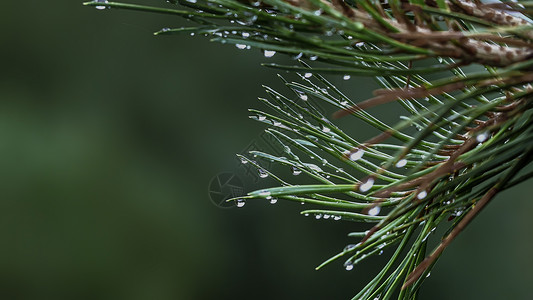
column 461, row 69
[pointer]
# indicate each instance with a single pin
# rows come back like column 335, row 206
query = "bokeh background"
column 109, row 138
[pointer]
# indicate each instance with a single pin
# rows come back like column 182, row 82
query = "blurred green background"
column 109, row 137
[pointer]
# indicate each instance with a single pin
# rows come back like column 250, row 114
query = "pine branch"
column 474, row 127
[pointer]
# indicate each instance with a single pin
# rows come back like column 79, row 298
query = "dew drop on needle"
column 367, row 185
column 269, row 53
column 374, row 211
column 356, row 155
column 348, row 266
column 422, row 195
column 296, row 171
column 101, row 6
column 401, row 163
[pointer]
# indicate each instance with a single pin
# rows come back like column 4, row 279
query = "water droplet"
column 374, row 211
column 273, row 201
column 314, row 167
column 240, row 46
column 313, row 57
column 269, row 53
column 429, row 274
column 360, row 44
column 325, row 129
column 308, row 75
column 256, row 3
column 165, row 29
column 350, row 247
column 318, row 216
column 480, row 138
column 348, row 266
column 262, row 173
column 101, row 6
column 422, row 195
column 298, row 56
column 336, row 218
column 307, row 215
column 364, row 187
column 245, row 34
column 318, row 12
column 325, row 162
column 243, row 160
column 346, row 77
column 191, row 1
column 354, row 156
column 380, row 252
column 240, row 202
column 401, row 163
column 304, row 97
column 261, row 117
column 276, row 122
column 295, row 171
